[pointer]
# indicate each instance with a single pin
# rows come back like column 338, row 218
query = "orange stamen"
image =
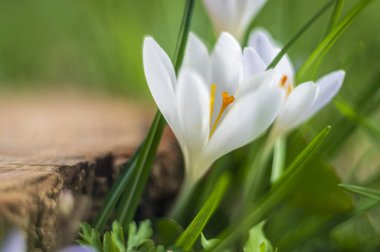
column 227, row 100
column 283, row 80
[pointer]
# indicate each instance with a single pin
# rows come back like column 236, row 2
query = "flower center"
column 284, row 84
column 227, row 99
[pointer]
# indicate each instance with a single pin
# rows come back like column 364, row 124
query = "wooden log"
column 62, row 150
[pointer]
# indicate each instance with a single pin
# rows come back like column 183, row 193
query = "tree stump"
column 59, row 150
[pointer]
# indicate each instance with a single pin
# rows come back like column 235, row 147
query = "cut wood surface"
column 53, row 146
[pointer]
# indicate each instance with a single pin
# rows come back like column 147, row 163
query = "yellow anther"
column 286, row 85
column 212, row 100
column 227, row 100
column 289, row 89
column 284, row 78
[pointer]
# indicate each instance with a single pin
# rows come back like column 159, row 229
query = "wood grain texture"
column 54, row 143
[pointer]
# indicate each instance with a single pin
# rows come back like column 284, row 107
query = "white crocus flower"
column 214, row 106
column 232, row 16
column 302, row 101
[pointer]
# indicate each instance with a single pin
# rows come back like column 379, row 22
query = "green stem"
column 256, row 172
column 182, row 201
column 278, row 159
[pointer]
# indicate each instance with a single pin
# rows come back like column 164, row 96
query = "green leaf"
column 118, row 236
column 140, row 172
column 137, row 236
column 108, row 245
column 330, row 39
column 192, row 232
column 168, row 231
column 315, row 199
column 370, row 193
column 207, row 244
column 273, row 198
column 257, row 240
column 90, row 236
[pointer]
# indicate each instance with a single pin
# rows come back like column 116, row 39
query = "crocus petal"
column 226, row 63
column 161, row 80
column 252, row 62
column 197, row 57
column 249, row 11
column 222, row 14
column 245, row 121
column 297, row 107
column 226, row 68
column 329, row 86
column 232, row 16
column 77, row 249
column 267, row 48
column 251, row 84
column 14, row 242
column 193, row 110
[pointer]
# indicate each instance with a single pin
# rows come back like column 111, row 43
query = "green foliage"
column 330, row 39
column 370, row 193
column 138, row 240
column 257, row 242
column 133, row 182
column 273, row 198
column 192, row 232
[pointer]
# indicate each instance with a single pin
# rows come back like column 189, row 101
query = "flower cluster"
column 222, row 100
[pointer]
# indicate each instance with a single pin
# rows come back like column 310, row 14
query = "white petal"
column 197, row 57
column 263, row 43
column 249, row 11
column 245, row 121
column 232, row 16
column 226, row 63
column 264, row 78
column 329, row 86
column 193, row 110
column 268, row 49
column 161, row 80
column 226, row 68
column 252, row 62
column 223, row 14
column 297, row 107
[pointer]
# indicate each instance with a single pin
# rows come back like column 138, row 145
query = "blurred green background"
column 96, row 45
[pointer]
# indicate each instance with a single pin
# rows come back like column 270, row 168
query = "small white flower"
column 215, row 105
column 232, row 16
column 302, row 101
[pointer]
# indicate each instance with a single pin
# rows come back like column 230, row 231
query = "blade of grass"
column 140, row 172
column 330, row 39
column 277, row 194
column 335, row 15
column 256, row 165
column 114, row 194
column 299, row 33
column 369, row 127
column 361, row 190
column 192, row 232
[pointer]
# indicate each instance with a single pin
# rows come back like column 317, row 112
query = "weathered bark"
column 51, row 144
